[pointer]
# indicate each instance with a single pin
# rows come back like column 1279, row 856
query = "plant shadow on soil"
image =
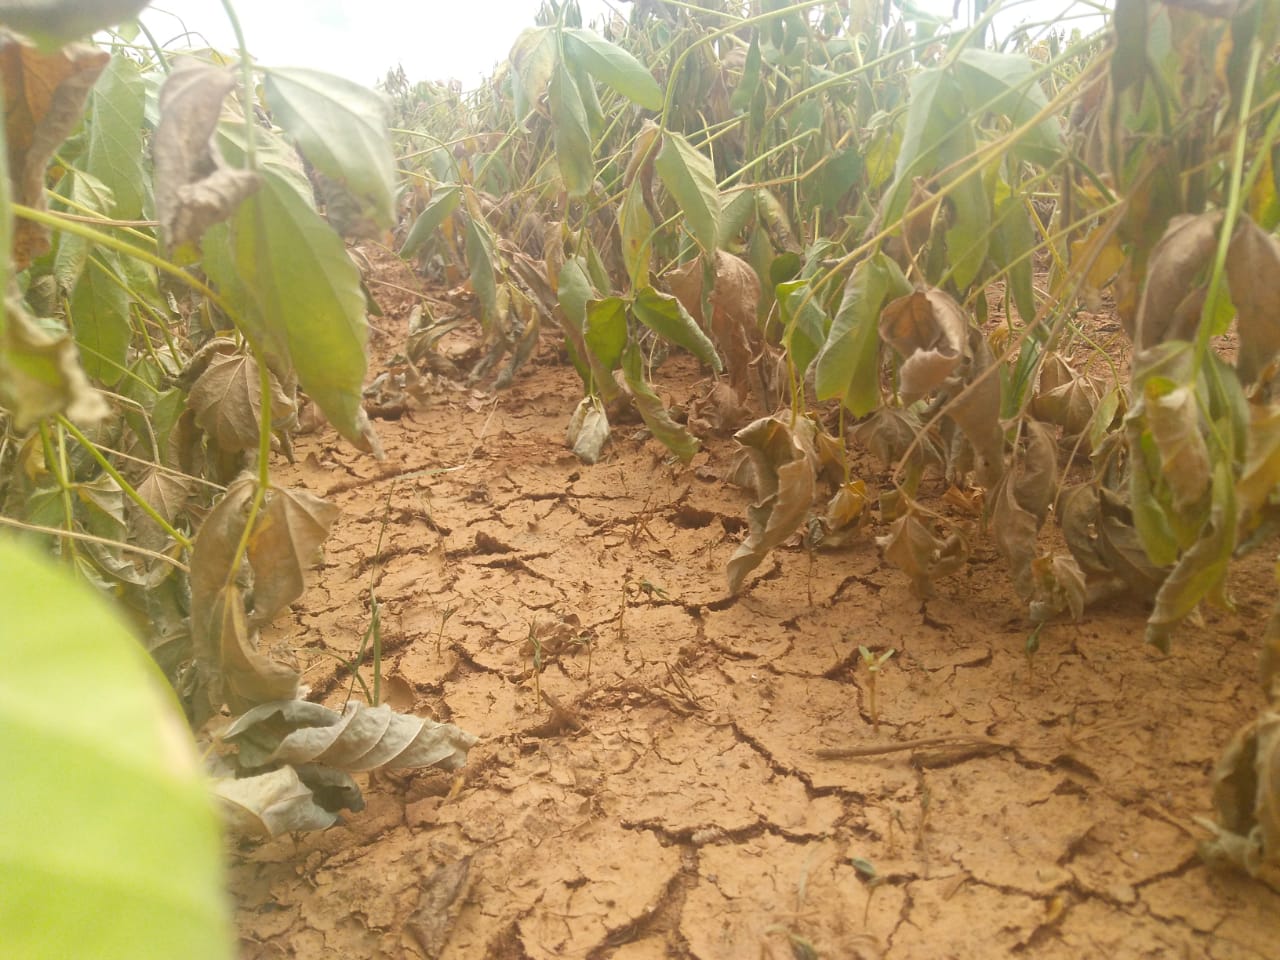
column 658, row 791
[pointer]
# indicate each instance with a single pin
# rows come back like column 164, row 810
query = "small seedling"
column 535, row 653
column 444, row 618
column 867, row 870
column 874, row 663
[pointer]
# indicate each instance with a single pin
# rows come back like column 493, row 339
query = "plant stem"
column 246, row 81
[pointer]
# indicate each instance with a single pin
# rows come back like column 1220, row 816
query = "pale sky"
column 432, row 39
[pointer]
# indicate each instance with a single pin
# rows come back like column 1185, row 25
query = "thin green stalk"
column 125, row 486
column 246, row 81
column 55, row 222
column 77, row 535
column 264, row 463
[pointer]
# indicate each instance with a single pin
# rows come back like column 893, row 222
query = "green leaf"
column 1011, row 241
column 636, row 226
column 745, row 92
column 690, row 177
column 606, row 331
column 115, row 152
column 99, row 312
column 848, row 363
column 301, row 295
column 341, row 128
column 442, row 203
column 534, row 56
column 613, row 66
column 571, row 132
column 665, row 316
column 1008, row 84
column 483, row 275
column 111, row 845
column 671, row 434
column 935, row 114
column 804, row 322
column 89, row 193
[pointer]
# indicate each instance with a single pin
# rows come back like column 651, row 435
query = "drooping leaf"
column 1173, row 418
column 195, row 187
column 667, row 317
column 115, row 154
column 656, row 417
column 358, row 739
column 1011, row 243
column 44, row 98
column 848, row 365
column 690, row 177
column 613, row 66
column 442, row 203
column 284, row 542
column 572, row 132
column 87, row 724
column 341, row 128
column 304, row 298
column 1202, row 569
column 784, row 464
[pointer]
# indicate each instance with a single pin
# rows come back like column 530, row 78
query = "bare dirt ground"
column 661, row 789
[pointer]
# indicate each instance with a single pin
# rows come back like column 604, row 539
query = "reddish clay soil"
column 665, row 787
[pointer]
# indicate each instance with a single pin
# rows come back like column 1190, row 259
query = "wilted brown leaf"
column 285, row 539
column 975, row 408
column 270, row 804
column 588, row 430
column 360, row 738
column 195, row 187
column 1253, row 264
column 227, row 401
column 1171, row 299
column 1174, row 420
column 912, row 547
column 1021, row 503
column 1059, row 585
column 40, row 374
column 785, row 466
column 929, row 330
column 244, row 676
column 44, row 98
column 1065, row 397
column 1246, row 796
column 734, row 298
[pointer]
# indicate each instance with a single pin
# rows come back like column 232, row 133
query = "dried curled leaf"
column 1253, row 263
column 1065, row 397
column 1022, row 500
column 195, row 187
column 284, row 543
column 928, row 329
column 785, row 467
column 229, row 668
column 734, row 297
column 227, row 401
column 1246, row 796
column 913, row 547
column 1171, row 298
column 270, row 804
column 588, row 430
column 360, row 738
column 40, row 374
column 1173, row 417
column 44, row 98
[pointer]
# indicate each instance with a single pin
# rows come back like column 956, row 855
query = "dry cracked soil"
column 682, row 776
